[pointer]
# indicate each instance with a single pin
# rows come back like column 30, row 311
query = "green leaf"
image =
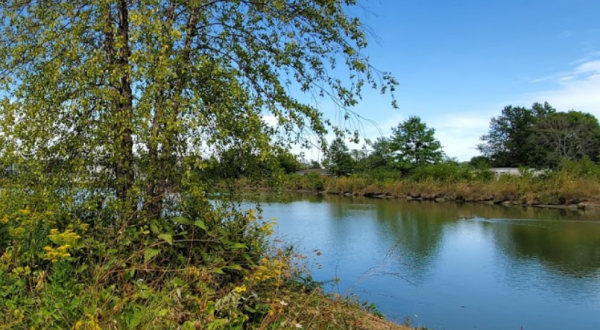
column 234, row 267
column 181, row 220
column 217, row 270
column 81, row 269
column 154, row 227
column 236, row 246
column 167, row 237
column 150, row 253
column 200, row 224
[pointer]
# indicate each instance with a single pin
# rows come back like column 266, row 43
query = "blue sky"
column 460, row 62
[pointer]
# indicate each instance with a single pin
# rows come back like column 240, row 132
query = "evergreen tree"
column 338, row 160
column 414, row 144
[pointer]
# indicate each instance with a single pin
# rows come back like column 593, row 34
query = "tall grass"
column 573, row 183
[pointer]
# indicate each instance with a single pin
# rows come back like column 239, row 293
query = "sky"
column 460, row 62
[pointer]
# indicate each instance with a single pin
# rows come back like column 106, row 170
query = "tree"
column 287, row 161
column 97, row 85
column 117, row 113
column 512, row 140
column 413, row 144
column 314, row 164
column 381, row 156
column 570, row 135
column 479, row 162
column 338, row 160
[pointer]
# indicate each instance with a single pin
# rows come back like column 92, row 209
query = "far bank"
column 554, row 190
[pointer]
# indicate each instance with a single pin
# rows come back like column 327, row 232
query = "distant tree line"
column 411, row 146
column 535, row 137
column 539, row 137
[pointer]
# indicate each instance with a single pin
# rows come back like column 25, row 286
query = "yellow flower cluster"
column 240, row 289
column 193, row 271
column 60, row 252
column 89, row 324
column 6, row 257
column 268, row 269
column 267, row 226
column 68, row 237
column 66, row 240
column 22, row 270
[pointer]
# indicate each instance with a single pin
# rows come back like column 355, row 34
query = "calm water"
column 451, row 266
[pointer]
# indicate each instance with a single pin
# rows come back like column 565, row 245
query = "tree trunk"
column 123, row 120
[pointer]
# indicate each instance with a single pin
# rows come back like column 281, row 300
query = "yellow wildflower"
column 240, row 289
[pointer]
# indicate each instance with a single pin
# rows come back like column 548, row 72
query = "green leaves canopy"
column 112, row 95
column 338, row 160
column 414, row 144
column 540, row 137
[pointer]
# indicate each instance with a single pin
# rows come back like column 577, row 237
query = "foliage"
column 572, row 183
column 414, row 144
column 511, row 141
column 287, row 161
column 89, row 290
column 382, row 155
column 447, row 171
column 119, row 92
column 121, row 118
column 540, row 137
column 480, row 162
column 570, row 135
column 314, row 164
column 338, row 160
column 584, row 168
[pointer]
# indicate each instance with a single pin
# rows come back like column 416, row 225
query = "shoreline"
column 586, row 205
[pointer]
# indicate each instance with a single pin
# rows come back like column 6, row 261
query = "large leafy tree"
column 414, row 144
column 287, row 161
column 123, row 94
column 381, row 154
column 338, row 160
column 121, row 116
column 512, row 137
column 570, row 135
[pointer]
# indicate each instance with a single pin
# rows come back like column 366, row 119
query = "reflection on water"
column 453, row 266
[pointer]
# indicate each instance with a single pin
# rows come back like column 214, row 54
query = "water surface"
column 452, row 266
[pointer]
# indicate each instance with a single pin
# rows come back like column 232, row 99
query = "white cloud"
column 577, row 89
column 459, row 132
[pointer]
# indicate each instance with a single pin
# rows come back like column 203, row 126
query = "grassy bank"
column 560, row 188
column 54, row 276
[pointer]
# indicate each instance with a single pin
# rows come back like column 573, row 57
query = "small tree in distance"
column 315, row 164
column 414, row 144
column 338, row 161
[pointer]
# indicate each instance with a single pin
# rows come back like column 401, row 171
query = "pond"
column 451, row 266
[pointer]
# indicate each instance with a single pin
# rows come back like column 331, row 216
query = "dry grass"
column 558, row 189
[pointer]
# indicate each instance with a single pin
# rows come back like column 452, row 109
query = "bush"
column 447, row 171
